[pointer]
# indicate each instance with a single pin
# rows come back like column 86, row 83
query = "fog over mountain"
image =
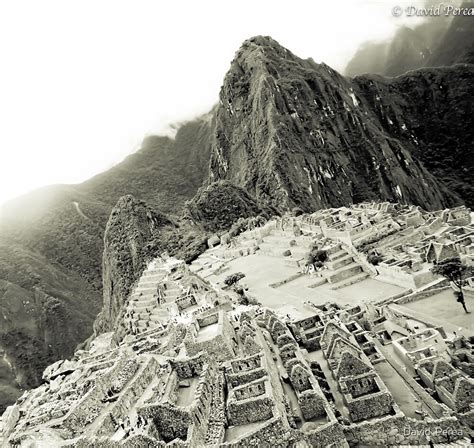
column 436, row 41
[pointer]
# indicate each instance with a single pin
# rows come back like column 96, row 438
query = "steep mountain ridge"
column 457, row 44
column 136, row 234
column 295, row 133
column 129, row 230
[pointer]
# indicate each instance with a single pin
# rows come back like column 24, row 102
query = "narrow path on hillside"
column 78, row 209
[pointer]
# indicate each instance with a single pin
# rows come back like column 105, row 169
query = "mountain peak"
column 295, row 133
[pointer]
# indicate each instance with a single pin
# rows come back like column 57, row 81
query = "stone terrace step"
column 148, row 283
column 340, row 262
column 350, row 281
column 318, row 281
column 288, row 233
column 342, row 273
column 333, row 250
column 145, row 289
column 333, row 256
column 143, row 301
column 153, row 275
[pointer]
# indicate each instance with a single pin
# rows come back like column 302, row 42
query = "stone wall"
column 90, row 406
column 127, row 398
column 328, row 435
column 273, row 433
column 210, row 319
column 244, row 364
column 420, row 295
column 221, row 347
column 239, row 378
column 401, row 430
column 460, row 397
column 397, row 276
column 251, row 410
column 373, row 405
column 172, row 422
column 312, row 404
column 188, row 367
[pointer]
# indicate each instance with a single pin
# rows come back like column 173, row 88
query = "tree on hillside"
column 316, row 255
column 374, row 258
column 232, row 281
column 456, row 272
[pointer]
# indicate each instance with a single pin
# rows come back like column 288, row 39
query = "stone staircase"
column 143, row 312
column 342, row 269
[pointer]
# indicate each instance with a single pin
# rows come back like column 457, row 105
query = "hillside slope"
column 51, row 242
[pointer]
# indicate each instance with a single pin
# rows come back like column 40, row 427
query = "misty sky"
column 81, row 82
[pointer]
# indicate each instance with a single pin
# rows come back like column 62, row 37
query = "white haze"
column 82, row 82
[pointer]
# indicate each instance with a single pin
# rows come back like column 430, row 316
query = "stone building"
column 364, row 393
column 461, row 350
column 453, row 387
column 213, row 334
column 420, row 345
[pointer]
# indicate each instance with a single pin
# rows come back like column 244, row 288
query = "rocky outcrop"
column 220, row 204
column 295, row 133
column 131, row 227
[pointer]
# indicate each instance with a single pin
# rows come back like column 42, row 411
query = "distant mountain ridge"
column 286, row 133
column 437, row 41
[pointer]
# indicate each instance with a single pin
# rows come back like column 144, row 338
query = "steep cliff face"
column 429, row 111
column 292, row 132
column 130, row 229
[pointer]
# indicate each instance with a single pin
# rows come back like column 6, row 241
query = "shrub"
column 232, row 279
column 374, row 258
column 317, row 255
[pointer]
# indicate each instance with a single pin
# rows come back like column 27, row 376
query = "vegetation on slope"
column 217, row 206
column 51, row 242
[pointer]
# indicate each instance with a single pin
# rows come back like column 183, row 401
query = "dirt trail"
column 81, row 213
